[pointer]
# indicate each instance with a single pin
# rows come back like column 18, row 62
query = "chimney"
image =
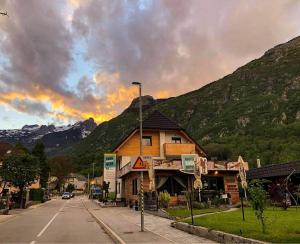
column 258, row 163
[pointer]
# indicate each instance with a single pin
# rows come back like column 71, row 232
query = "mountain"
column 253, row 112
column 54, row 138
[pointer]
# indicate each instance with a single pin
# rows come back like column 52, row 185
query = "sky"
column 67, row 60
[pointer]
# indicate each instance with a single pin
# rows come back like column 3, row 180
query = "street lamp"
column 141, row 154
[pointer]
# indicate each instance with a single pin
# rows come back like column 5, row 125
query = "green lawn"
column 184, row 212
column 282, row 226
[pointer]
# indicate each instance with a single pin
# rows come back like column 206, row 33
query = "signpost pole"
column 191, row 198
column 141, row 154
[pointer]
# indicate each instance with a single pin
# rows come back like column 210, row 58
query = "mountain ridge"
column 253, row 112
column 54, row 137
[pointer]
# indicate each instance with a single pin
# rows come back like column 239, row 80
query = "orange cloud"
column 64, row 108
column 162, row 94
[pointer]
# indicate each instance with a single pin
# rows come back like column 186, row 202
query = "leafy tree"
column 219, row 151
column 61, row 167
column 70, row 188
column 258, row 199
column 39, row 152
column 20, row 149
column 20, row 170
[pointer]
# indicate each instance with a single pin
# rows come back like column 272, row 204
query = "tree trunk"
column 3, row 186
column 21, row 193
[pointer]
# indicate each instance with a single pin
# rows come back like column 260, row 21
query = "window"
column 134, row 187
column 147, row 140
column 176, row 139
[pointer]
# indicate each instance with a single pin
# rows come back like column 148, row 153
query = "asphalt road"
column 57, row 221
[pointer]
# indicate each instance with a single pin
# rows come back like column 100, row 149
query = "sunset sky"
column 64, row 61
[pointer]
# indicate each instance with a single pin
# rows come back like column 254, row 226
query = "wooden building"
column 166, row 148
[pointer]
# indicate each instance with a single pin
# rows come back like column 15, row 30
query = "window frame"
column 174, row 139
column 147, row 138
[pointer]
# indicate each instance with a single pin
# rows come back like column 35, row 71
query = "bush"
column 36, row 195
column 200, row 205
column 164, row 199
column 258, row 201
column 217, row 201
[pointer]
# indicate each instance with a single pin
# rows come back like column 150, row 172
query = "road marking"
column 51, row 220
column 33, row 242
column 47, row 225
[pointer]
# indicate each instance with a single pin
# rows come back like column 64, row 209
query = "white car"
column 66, row 195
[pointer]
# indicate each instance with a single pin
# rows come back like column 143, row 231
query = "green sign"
column 188, row 161
column 109, row 161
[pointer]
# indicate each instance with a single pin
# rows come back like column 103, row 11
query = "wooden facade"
column 165, row 147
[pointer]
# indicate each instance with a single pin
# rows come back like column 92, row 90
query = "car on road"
column 66, row 195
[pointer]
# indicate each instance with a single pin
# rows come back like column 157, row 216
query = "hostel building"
column 167, row 149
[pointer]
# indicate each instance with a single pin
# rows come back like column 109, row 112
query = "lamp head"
column 136, row 83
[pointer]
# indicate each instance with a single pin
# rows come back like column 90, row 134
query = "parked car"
column 66, row 195
column 72, row 195
column 96, row 193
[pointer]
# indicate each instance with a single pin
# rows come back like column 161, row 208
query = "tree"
column 70, row 188
column 20, row 170
column 258, row 199
column 39, row 152
column 218, row 151
column 61, row 167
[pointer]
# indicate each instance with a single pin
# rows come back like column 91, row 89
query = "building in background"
column 168, row 150
column 79, row 181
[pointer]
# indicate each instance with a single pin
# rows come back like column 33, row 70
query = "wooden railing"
column 176, row 149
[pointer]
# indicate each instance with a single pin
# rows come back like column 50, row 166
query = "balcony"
column 176, row 149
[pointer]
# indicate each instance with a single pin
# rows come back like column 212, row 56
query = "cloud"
column 30, row 107
column 181, row 44
column 172, row 47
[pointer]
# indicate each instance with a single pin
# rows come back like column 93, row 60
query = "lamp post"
column 141, row 154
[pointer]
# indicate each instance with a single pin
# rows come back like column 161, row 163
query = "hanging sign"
column 188, row 162
column 109, row 171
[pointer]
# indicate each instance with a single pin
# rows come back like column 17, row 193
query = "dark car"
column 66, row 195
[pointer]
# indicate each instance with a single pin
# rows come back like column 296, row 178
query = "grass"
column 282, row 226
column 184, row 212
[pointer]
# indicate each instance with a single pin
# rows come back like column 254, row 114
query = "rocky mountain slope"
column 253, row 112
column 54, row 138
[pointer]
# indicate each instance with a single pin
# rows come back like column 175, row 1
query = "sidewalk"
column 126, row 224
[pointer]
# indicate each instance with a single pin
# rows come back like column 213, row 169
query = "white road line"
column 47, row 225
column 33, row 242
column 51, row 220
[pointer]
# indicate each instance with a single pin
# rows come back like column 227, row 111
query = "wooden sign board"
column 139, row 164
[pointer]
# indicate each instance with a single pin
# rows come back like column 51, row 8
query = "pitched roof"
column 274, row 170
column 157, row 120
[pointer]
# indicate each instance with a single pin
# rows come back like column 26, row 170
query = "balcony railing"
column 176, row 149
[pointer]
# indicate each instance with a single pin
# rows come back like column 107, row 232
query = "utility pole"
column 88, row 185
column 141, row 154
column 93, row 170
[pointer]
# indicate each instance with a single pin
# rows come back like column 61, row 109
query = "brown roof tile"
column 157, row 120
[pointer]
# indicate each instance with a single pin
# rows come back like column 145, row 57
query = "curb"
column 106, row 228
column 214, row 235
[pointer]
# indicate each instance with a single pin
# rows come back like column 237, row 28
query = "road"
column 57, row 221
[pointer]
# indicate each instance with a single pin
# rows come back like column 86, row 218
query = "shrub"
column 36, row 194
column 200, row 205
column 258, row 199
column 164, row 199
